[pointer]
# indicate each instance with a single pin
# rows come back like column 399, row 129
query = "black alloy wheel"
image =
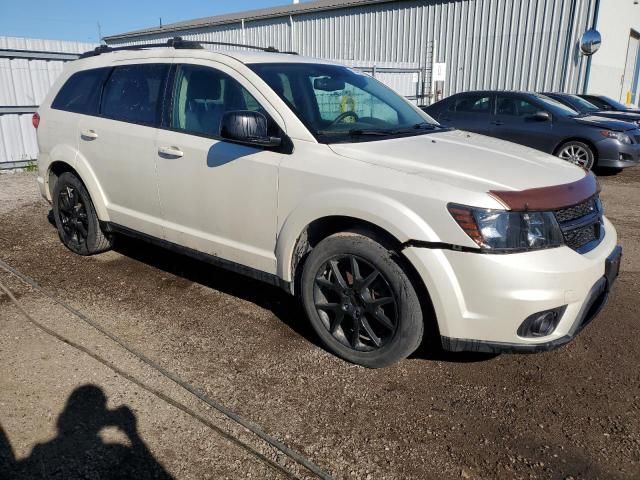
column 76, row 218
column 73, row 217
column 355, row 303
column 360, row 300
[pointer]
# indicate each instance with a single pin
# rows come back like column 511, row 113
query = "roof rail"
column 175, row 42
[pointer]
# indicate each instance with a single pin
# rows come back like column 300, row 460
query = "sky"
column 78, row 19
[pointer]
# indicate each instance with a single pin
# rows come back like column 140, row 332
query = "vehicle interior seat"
column 506, row 106
column 203, row 113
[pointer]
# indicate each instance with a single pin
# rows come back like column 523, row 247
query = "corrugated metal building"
column 502, row 44
column 28, row 67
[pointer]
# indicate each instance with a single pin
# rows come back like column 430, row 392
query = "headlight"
column 503, row 231
column 621, row 137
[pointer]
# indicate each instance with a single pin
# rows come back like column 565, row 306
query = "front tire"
column 75, row 216
column 578, row 153
column 360, row 301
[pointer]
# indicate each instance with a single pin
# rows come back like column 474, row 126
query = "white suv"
column 317, row 178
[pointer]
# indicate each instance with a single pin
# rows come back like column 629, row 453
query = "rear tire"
column 578, row 153
column 75, row 216
column 360, row 301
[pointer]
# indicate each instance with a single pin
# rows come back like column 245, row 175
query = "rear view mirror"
column 247, row 127
column 541, row 116
column 328, row 84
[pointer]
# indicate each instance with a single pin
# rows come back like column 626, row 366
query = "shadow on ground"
column 78, row 451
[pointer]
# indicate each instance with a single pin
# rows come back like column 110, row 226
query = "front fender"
column 392, row 216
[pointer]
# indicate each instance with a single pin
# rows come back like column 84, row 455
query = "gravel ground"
column 571, row 413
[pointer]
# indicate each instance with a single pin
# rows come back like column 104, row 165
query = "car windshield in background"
column 556, row 107
column 583, row 104
column 338, row 104
column 617, row 105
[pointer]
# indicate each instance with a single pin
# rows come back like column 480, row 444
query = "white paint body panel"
column 250, row 206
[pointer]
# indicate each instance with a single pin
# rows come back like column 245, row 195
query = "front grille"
column 581, row 224
column 576, row 211
column 581, row 236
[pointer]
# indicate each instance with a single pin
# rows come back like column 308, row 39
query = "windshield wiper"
column 392, row 131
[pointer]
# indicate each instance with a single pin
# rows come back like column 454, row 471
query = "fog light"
column 541, row 324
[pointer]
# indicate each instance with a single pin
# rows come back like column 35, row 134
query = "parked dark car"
column 607, row 103
column 542, row 123
column 587, row 108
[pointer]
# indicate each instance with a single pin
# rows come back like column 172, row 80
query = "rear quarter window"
column 81, row 92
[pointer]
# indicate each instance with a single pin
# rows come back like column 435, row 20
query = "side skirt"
column 265, row 277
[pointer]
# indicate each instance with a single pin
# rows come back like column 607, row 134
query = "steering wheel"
column 344, row 115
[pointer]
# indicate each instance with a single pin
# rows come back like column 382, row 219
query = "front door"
column 515, row 120
column 217, row 197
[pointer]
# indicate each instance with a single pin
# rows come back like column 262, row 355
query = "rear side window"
column 515, row 106
column 81, row 93
column 133, row 93
column 471, row 104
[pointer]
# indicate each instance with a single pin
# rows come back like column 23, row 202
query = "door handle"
column 497, row 122
column 88, row 134
column 170, row 152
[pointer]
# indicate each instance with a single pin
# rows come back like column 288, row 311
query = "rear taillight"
column 35, row 120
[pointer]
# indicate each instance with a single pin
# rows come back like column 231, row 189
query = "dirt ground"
column 568, row 414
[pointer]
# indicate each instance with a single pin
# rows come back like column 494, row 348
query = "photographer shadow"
column 78, row 451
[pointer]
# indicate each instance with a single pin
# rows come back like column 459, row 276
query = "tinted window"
column 599, row 103
column 202, row 95
column 607, row 103
column 471, row 104
column 133, row 93
column 581, row 104
column 81, row 93
column 515, row 106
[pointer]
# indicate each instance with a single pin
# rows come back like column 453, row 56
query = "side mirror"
column 247, row 127
column 541, row 116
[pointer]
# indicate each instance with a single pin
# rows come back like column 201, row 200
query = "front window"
column 203, row 95
column 339, row 104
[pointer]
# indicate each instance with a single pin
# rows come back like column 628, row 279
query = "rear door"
column 469, row 111
column 515, row 121
column 119, row 144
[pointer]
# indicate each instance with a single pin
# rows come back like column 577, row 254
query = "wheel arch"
column 341, row 208
column 321, row 228
column 86, row 176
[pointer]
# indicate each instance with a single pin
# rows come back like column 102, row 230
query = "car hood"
column 608, row 123
column 466, row 160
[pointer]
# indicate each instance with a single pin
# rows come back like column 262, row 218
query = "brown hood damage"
column 549, row 198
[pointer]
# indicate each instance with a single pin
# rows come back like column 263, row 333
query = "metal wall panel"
column 24, row 82
column 506, row 44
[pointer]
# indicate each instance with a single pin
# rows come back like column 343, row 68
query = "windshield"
column 582, row 104
column 556, row 107
column 339, row 104
column 617, row 105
